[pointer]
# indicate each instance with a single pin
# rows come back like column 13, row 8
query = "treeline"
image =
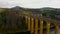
column 11, row 21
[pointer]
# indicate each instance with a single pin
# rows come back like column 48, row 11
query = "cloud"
column 9, row 3
column 30, row 3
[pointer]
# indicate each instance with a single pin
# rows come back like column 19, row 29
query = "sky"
column 30, row 3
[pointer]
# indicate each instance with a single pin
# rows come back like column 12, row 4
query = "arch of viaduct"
column 30, row 22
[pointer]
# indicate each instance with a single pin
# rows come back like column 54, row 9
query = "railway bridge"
column 32, row 22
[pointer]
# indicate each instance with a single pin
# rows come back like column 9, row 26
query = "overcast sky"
column 30, row 3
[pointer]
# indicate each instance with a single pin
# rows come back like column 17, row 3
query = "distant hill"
column 37, row 11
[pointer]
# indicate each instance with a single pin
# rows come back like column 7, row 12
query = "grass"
column 2, row 10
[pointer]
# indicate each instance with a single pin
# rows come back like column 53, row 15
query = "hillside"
column 10, row 19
